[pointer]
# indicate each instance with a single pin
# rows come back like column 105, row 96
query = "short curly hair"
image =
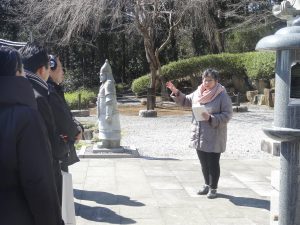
column 214, row 74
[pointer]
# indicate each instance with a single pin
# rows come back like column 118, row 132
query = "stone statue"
column 287, row 10
column 108, row 115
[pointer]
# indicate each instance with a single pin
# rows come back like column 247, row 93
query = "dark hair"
column 10, row 61
column 34, row 57
column 214, row 74
column 53, row 62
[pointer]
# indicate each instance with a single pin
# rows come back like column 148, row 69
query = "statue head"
column 106, row 72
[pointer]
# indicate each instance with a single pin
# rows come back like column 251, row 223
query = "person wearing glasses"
column 209, row 125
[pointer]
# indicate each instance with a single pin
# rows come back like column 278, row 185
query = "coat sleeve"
column 225, row 113
column 36, row 173
column 58, row 147
column 62, row 116
column 183, row 100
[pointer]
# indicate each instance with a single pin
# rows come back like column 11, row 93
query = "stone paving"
column 160, row 187
column 157, row 191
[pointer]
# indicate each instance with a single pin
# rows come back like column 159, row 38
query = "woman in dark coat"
column 27, row 190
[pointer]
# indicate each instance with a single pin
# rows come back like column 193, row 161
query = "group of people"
column 37, row 136
column 38, row 133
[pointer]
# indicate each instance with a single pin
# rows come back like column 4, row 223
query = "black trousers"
column 210, row 164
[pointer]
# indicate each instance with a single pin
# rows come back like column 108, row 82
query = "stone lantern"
column 286, row 126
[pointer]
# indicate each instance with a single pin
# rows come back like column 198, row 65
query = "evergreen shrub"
column 254, row 65
column 139, row 85
column 87, row 96
column 259, row 65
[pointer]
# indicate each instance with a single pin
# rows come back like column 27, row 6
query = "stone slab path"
column 156, row 191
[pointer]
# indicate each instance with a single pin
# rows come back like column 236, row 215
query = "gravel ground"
column 168, row 136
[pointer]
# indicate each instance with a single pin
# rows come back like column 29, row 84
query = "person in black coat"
column 27, row 189
column 67, row 126
column 36, row 65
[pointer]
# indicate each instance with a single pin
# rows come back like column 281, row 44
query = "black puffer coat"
column 27, row 190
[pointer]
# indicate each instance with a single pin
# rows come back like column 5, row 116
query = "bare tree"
column 149, row 17
column 67, row 19
column 155, row 20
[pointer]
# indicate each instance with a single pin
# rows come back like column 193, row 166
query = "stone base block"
column 109, row 144
column 147, row 113
column 251, row 95
column 239, row 108
column 98, row 149
column 261, row 99
column 270, row 146
column 81, row 113
column 96, row 152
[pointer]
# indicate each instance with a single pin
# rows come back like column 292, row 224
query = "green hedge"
column 139, row 86
column 255, row 65
column 259, row 65
column 87, row 96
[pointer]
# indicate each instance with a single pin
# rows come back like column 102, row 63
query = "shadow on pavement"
column 249, row 202
column 105, row 198
column 101, row 214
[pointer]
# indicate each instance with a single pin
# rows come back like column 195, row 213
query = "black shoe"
column 212, row 193
column 204, row 190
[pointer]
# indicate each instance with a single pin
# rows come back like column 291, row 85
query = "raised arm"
column 180, row 98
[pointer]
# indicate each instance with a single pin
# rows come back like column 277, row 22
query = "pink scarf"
column 205, row 96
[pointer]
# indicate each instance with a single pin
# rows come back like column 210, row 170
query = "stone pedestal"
column 270, row 146
column 81, row 113
column 97, row 148
column 289, row 184
column 241, row 108
column 97, row 152
column 110, row 144
column 147, row 113
column 286, row 126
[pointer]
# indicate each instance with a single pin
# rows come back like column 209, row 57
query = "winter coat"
column 65, row 123
column 209, row 136
column 27, row 190
column 41, row 93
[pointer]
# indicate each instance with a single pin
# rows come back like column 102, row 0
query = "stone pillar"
column 286, row 127
column 289, row 202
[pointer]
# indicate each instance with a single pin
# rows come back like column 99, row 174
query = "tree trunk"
column 151, row 98
column 163, row 90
